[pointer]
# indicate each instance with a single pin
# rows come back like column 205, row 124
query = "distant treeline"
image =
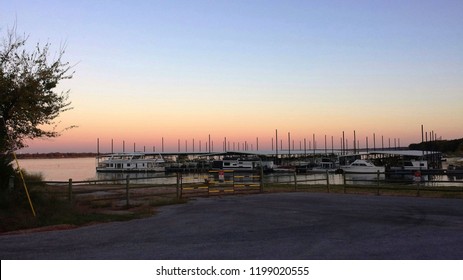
column 451, row 147
column 55, row 155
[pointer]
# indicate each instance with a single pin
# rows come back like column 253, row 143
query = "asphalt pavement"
column 264, row 226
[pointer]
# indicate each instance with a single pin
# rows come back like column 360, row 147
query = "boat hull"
column 363, row 170
column 130, row 170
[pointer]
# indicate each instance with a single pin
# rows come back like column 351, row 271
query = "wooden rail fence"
column 128, row 191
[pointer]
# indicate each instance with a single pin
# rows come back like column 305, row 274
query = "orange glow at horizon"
column 147, row 127
column 79, row 140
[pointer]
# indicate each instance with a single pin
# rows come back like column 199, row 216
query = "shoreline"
column 55, row 155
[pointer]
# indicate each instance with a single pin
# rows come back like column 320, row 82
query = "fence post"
column 418, row 189
column 70, row 190
column 127, row 182
column 233, row 181
column 179, row 189
column 377, row 182
column 344, row 181
column 261, row 179
column 327, row 182
column 295, row 182
column 417, row 178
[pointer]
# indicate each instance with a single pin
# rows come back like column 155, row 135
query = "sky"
column 184, row 70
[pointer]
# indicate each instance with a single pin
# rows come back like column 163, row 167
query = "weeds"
column 52, row 209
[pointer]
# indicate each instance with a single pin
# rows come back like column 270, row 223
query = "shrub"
column 6, row 171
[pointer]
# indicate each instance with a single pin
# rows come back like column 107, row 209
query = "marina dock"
column 300, row 161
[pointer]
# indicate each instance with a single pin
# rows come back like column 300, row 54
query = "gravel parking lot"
column 264, row 226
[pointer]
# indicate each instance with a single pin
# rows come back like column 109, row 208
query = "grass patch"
column 52, row 208
column 50, row 211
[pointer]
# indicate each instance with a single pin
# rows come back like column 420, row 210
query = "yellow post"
column 24, row 183
column 19, row 168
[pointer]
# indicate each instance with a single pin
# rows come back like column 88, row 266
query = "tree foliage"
column 452, row 147
column 29, row 102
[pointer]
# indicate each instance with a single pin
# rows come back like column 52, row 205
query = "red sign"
column 221, row 175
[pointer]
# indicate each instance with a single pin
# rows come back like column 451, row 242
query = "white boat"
column 415, row 165
column 362, row 166
column 410, row 165
column 131, row 162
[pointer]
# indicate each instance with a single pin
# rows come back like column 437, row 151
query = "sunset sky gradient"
column 184, row 70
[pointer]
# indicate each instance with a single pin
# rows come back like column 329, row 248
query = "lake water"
column 80, row 169
column 61, row 169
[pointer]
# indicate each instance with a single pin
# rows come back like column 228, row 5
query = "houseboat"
column 242, row 164
column 131, row 162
